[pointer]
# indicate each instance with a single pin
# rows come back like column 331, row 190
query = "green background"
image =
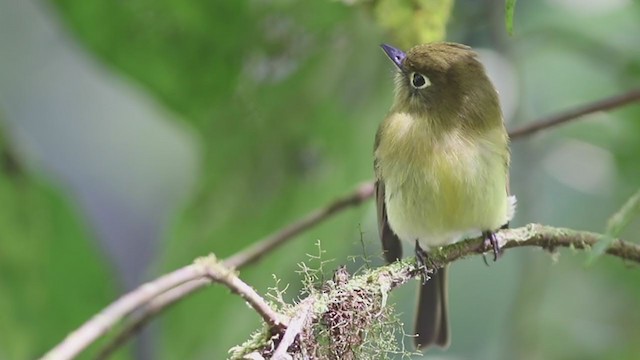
column 257, row 112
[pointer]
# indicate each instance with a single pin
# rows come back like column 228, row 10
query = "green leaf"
column 616, row 224
column 619, row 221
column 510, row 7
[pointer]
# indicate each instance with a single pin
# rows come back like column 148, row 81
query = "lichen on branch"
column 351, row 318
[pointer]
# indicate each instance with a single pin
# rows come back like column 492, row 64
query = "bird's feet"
column 425, row 264
column 490, row 241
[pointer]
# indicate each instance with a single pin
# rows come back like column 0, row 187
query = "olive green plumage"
column 441, row 164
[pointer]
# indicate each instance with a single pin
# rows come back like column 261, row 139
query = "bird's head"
column 444, row 80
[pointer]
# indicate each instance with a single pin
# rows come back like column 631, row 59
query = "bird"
column 441, row 161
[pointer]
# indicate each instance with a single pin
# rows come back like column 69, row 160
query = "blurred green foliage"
column 510, row 8
column 285, row 97
column 277, row 131
column 414, row 22
column 43, row 244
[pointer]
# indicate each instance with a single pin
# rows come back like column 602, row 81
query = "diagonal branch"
column 217, row 272
column 97, row 326
column 294, row 331
column 149, row 311
column 596, row 106
column 258, row 249
column 204, row 268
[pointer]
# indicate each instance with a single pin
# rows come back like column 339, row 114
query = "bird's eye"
column 419, row 81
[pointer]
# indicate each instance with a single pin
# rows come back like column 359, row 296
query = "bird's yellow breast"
column 441, row 184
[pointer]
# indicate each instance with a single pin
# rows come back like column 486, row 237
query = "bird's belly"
column 439, row 200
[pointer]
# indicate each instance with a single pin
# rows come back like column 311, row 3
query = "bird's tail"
column 432, row 323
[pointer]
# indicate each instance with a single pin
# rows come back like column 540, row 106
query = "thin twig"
column 97, row 326
column 218, row 272
column 555, row 120
column 208, row 267
column 150, row 309
column 294, row 330
column 362, row 193
column 261, row 247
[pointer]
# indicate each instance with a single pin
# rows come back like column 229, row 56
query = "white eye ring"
column 419, row 81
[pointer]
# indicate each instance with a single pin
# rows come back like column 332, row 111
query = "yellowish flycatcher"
column 441, row 164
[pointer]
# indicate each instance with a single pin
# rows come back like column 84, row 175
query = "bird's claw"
column 490, row 241
column 425, row 264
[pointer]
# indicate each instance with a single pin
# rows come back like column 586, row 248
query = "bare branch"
column 218, row 272
column 208, row 267
column 555, row 120
column 150, row 309
column 261, row 247
column 97, row 326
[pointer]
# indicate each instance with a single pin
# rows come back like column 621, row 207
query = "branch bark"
column 536, row 235
column 376, row 284
column 258, row 249
column 97, row 326
column 208, row 268
column 294, row 330
column 596, row 106
column 248, row 256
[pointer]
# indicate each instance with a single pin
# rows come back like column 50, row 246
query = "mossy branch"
column 362, row 298
column 546, row 237
column 346, row 307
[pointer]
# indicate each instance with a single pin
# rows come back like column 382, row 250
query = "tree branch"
column 596, row 106
column 258, row 249
column 204, row 268
column 219, row 273
column 296, row 326
column 253, row 253
column 161, row 301
column 97, row 326
column 535, row 235
column 542, row 236
column 148, row 312
column 373, row 286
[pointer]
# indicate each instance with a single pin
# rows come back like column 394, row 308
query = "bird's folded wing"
column 390, row 242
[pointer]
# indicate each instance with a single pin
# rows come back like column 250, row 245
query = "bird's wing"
column 390, row 242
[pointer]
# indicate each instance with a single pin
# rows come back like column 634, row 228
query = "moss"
column 351, row 318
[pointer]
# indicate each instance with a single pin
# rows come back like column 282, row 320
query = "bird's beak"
column 397, row 56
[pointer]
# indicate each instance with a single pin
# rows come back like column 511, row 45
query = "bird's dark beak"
column 397, row 56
